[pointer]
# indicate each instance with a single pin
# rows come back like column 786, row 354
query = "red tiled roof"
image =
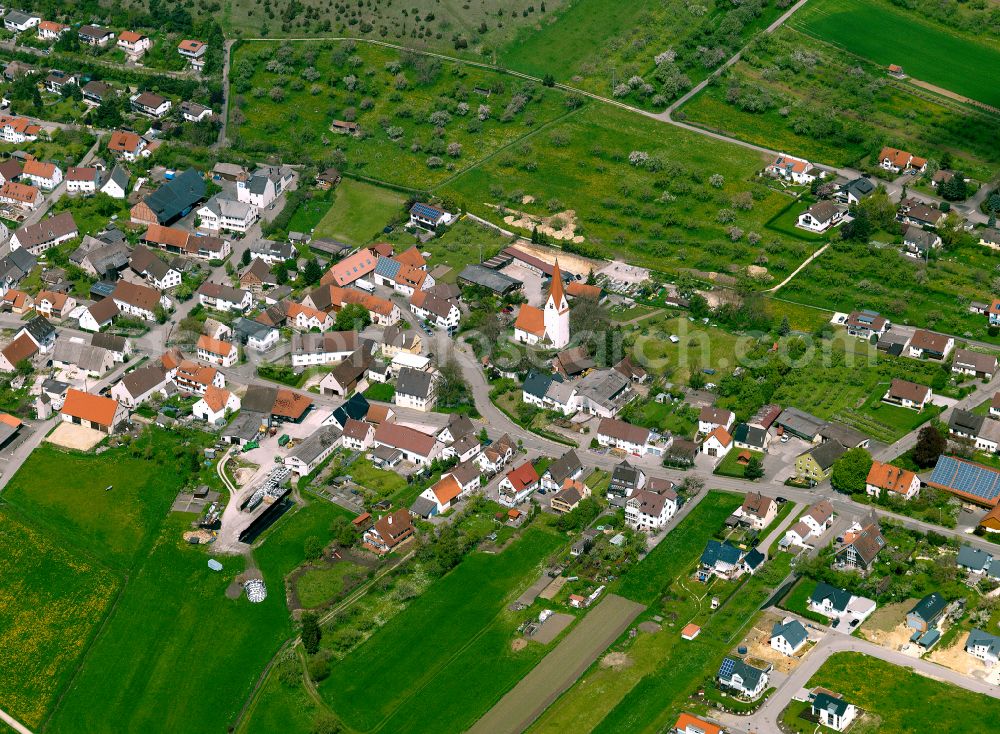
column 93, row 408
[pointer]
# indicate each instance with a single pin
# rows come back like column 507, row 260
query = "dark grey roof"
column 537, row 383
column 259, row 399
column 120, row 176
column 422, row 507
column 965, row 421
column 355, row 408
column 564, row 467
column 247, row 328
column 842, row 434
column 930, row 607
column 414, row 382
column 39, row 328
column 792, row 630
column 826, row 702
column 624, row 478
column 247, row 424
column 750, row 435
column 490, row 279
column 800, row 423
column 174, row 197
column 839, row 598
column 978, row 638
column 111, row 342
column 318, row 442
column 736, row 666
column 725, row 552
column 827, row 453
column 859, row 187
column 974, row 559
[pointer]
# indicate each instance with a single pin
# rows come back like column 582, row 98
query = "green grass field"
column 174, row 637
column 731, row 467
column 904, row 701
column 66, row 494
column 52, row 599
column 621, row 209
column 804, row 96
column 855, row 276
column 359, row 212
column 280, row 708
column 931, row 52
column 459, row 245
column 420, row 117
column 454, row 623
column 320, row 585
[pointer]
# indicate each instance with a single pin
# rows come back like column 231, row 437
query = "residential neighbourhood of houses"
column 317, row 371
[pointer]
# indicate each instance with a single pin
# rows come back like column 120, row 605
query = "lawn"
column 420, row 646
column 310, row 211
column 380, row 391
column 53, row 596
column 420, row 118
column 730, row 465
column 786, row 220
column 283, row 546
column 797, row 600
column 845, row 383
column 68, row 494
column 904, row 701
column 646, row 581
column 359, row 212
column 319, row 585
column 849, row 23
column 698, row 347
column 174, row 637
column 382, row 482
column 659, row 213
column 794, row 93
column 280, row 707
column 678, row 418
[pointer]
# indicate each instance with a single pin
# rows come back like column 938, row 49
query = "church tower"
column 557, row 311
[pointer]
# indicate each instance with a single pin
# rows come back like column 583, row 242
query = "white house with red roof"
column 790, row 168
column 444, row 493
column 717, row 443
column 215, row 405
column 518, row 485
column 217, row 351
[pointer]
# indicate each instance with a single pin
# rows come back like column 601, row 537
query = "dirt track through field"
column 558, row 670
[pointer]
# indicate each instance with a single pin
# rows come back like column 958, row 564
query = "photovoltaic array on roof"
column 424, row 210
column 964, row 477
column 728, row 665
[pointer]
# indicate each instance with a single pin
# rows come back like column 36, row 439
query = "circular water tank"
column 742, row 649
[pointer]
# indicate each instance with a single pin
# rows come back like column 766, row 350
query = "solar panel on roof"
column 728, row 665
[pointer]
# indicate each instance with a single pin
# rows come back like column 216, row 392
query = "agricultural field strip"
column 560, row 668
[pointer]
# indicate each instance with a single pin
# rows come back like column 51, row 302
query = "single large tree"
column 850, row 471
column 930, row 445
column 353, row 317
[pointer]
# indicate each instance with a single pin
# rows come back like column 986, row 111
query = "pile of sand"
column 546, row 225
column 616, row 661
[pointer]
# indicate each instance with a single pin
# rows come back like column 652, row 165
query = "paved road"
column 766, row 718
column 14, row 723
